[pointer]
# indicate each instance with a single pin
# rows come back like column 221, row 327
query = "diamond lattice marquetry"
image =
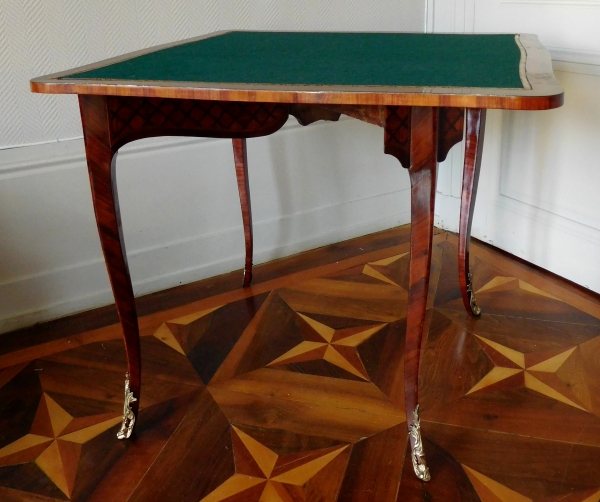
column 451, row 126
column 132, row 115
column 397, row 133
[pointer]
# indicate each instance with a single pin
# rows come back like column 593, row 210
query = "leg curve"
column 101, row 162
column 240, row 156
column 411, row 136
column 473, row 149
column 422, row 178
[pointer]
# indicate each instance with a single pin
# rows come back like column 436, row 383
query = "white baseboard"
column 70, row 276
column 93, row 274
column 563, row 246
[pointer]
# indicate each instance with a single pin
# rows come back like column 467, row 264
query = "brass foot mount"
column 475, row 309
column 128, row 414
column 417, row 453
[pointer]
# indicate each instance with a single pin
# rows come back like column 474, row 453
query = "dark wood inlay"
column 397, row 134
column 132, row 118
column 219, row 413
column 452, row 123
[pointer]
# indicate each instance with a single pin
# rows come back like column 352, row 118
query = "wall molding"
column 391, row 209
column 578, row 221
column 575, row 56
column 584, row 241
column 57, row 287
column 68, row 154
column 575, row 61
column 548, row 216
column 560, row 3
column 429, row 18
column 584, row 69
column 557, row 234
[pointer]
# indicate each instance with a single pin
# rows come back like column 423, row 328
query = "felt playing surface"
column 334, row 59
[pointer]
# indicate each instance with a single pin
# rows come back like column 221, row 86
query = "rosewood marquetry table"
column 425, row 90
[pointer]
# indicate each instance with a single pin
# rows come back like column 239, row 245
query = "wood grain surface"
column 240, row 156
column 422, row 172
column 119, row 120
column 101, row 161
column 475, row 131
column 286, row 394
column 109, row 123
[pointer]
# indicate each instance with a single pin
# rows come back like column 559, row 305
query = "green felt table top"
column 333, row 59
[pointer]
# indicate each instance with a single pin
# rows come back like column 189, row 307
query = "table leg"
column 240, row 155
column 101, row 162
column 411, row 135
column 422, row 171
column 474, row 146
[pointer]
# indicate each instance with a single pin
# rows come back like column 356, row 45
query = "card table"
column 424, row 90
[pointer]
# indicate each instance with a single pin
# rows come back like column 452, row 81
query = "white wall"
column 182, row 222
column 540, row 177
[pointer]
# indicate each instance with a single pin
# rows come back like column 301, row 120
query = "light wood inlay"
column 312, row 429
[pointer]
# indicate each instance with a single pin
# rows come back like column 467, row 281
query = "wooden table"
column 420, row 88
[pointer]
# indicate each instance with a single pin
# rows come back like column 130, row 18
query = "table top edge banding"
column 536, row 70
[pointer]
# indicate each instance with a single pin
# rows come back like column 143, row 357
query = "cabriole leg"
column 422, row 171
column 241, row 171
column 475, row 128
column 411, row 136
column 101, row 162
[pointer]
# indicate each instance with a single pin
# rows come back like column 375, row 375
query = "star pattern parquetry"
column 297, row 393
column 182, row 344
column 537, row 371
column 501, row 283
column 379, row 269
column 492, row 491
column 262, row 475
column 337, row 347
column 54, row 442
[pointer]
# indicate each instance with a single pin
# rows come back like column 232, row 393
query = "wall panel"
column 179, row 199
column 538, row 192
column 44, row 36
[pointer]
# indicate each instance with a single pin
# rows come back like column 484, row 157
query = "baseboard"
column 186, row 226
column 272, row 241
column 575, row 61
column 563, row 246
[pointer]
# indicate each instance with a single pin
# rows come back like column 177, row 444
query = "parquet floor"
column 293, row 391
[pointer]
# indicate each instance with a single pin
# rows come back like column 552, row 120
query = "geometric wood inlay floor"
column 293, row 391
